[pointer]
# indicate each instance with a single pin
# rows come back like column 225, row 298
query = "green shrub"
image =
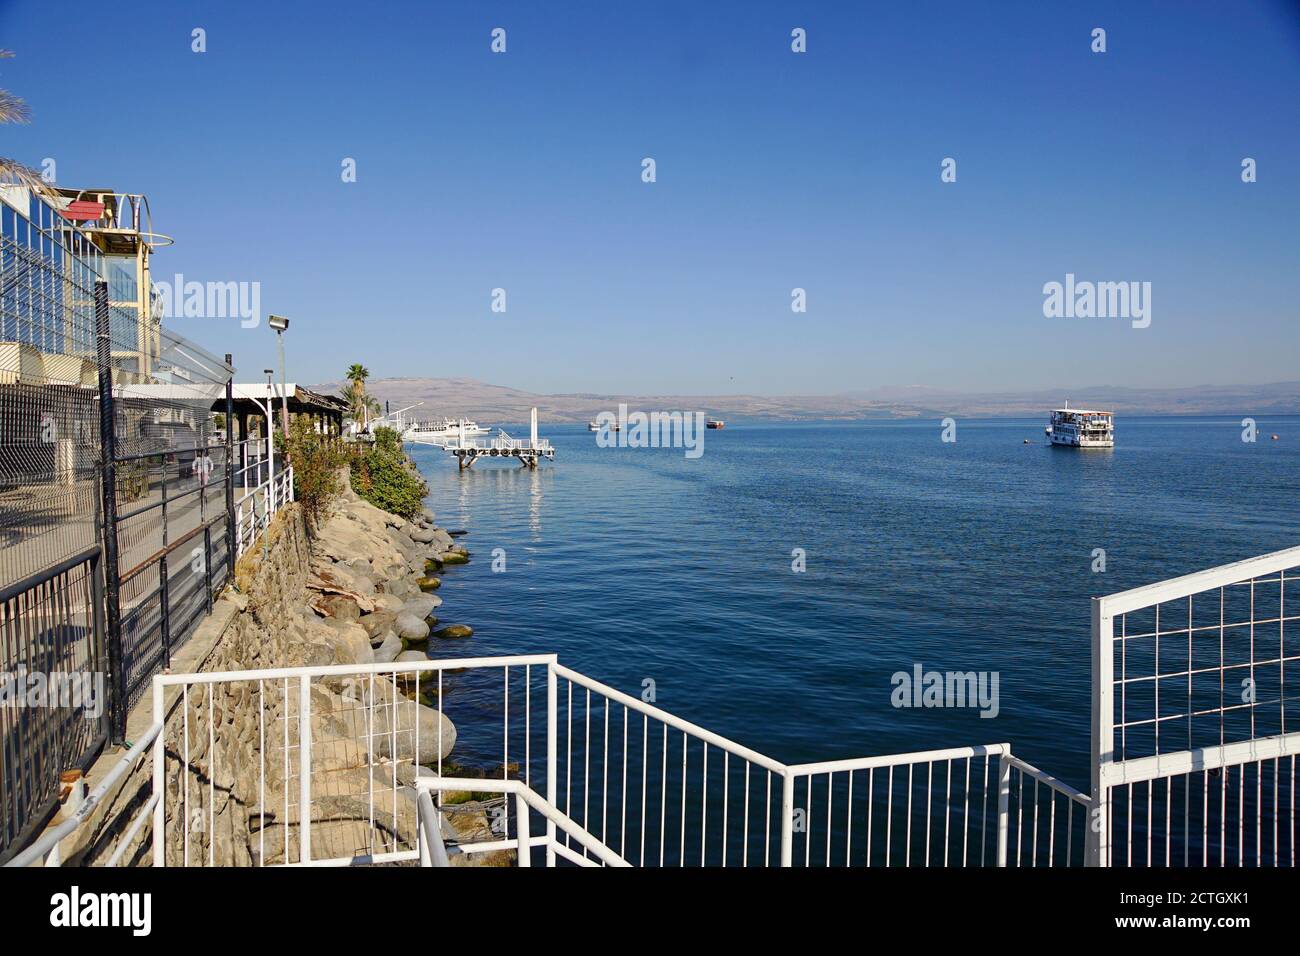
column 381, row 476
column 316, row 461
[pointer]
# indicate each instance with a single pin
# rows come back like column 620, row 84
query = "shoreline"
column 371, row 596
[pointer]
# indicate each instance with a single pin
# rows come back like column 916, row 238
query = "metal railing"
column 933, row 809
column 1193, row 759
column 332, row 765
column 51, row 634
column 257, row 505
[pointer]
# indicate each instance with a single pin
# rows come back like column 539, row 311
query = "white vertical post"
column 1103, row 731
column 523, row 852
column 552, row 719
column 159, row 781
column 304, row 769
column 787, row 818
column 270, row 457
column 534, row 432
column 1004, row 805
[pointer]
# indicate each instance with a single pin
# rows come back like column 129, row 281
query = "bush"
column 316, row 460
column 381, row 476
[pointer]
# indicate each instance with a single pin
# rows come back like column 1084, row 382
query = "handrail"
column 894, row 760
column 349, row 670
column 536, row 801
column 51, row 839
column 1060, row 786
column 433, row 852
column 1172, row 589
column 708, row 736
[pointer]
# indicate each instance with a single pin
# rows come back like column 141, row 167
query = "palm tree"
column 357, row 375
column 13, row 109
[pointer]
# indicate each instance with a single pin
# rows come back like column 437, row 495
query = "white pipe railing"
column 1179, row 671
column 47, row 846
column 255, row 509
column 720, row 814
column 615, row 793
column 525, row 799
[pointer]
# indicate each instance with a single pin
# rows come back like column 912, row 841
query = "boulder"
column 410, row 627
column 422, row 605
column 454, row 631
column 348, row 718
column 388, row 649
column 453, row 557
column 380, row 621
column 411, row 657
column 336, row 606
column 428, row 583
column 402, row 588
column 422, row 535
column 388, row 602
column 431, row 565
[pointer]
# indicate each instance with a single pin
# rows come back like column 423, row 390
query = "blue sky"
column 775, row 170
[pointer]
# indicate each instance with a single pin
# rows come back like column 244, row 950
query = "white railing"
column 255, row 508
column 328, row 761
column 502, row 442
column 433, row 851
column 1193, row 758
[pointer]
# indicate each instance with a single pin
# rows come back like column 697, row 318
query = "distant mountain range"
column 489, row 404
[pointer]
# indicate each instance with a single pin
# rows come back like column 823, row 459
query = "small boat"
column 595, row 427
column 715, row 423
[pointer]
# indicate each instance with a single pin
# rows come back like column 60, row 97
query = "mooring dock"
column 528, row 451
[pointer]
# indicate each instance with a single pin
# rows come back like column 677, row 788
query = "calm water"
column 638, row 563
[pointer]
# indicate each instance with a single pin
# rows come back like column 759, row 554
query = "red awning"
column 82, row 210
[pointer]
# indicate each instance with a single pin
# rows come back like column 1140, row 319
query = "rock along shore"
column 369, row 600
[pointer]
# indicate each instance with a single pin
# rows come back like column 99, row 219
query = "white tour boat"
column 444, row 431
column 1082, row 428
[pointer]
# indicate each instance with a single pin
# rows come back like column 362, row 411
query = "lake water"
column 636, row 564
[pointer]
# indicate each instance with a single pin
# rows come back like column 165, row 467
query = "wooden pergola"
column 326, row 411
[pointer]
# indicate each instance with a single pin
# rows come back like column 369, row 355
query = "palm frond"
column 13, row 109
column 12, row 171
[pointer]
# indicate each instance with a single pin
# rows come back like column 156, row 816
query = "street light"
column 281, row 325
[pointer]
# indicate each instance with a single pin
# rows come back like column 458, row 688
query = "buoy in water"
column 1274, row 438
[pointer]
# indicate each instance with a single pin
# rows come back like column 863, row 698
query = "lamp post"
column 281, row 325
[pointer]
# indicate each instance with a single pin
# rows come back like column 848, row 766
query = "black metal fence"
column 116, row 521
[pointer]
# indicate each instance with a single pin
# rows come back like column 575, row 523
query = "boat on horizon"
column 715, row 423
column 1081, row 428
column 596, row 426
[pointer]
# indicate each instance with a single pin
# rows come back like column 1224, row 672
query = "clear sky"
column 775, row 170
